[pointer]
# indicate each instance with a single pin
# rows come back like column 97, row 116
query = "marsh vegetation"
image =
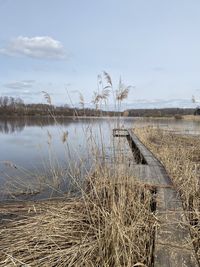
column 109, row 221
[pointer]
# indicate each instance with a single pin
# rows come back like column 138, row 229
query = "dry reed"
column 111, row 224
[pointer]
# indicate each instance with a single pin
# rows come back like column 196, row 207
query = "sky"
column 61, row 46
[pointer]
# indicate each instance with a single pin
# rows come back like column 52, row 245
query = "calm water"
column 35, row 149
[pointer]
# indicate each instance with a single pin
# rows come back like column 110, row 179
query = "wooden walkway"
column 173, row 244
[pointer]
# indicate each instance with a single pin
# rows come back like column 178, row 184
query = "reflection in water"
column 16, row 125
column 11, row 126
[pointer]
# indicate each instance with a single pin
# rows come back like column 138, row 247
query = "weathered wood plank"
column 173, row 244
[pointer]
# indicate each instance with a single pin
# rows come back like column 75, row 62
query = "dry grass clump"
column 191, row 118
column 180, row 154
column 111, row 224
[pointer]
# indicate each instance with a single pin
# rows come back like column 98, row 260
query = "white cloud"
column 41, row 47
column 20, row 84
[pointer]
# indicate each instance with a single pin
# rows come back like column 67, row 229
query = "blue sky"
column 51, row 45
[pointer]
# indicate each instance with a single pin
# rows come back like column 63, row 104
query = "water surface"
column 33, row 149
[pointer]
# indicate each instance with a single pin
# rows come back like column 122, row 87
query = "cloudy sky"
column 60, row 46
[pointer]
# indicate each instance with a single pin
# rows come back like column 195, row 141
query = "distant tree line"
column 197, row 111
column 10, row 106
column 163, row 112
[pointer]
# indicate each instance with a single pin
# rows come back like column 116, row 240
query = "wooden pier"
column 172, row 242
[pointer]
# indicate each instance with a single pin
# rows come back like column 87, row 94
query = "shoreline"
column 182, row 117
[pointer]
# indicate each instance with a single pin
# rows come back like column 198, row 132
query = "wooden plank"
column 173, row 244
column 120, row 132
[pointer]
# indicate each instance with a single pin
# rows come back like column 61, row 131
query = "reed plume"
column 47, row 97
